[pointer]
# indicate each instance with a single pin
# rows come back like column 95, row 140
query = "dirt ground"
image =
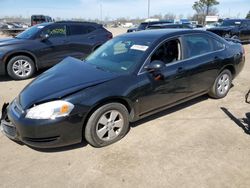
column 192, row 145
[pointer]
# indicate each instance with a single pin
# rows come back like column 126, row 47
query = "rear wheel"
column 21, row 67
column 107, row 125
column 221, row 85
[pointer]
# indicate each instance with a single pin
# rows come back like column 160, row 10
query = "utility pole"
column 101, row 12
column 148, row 8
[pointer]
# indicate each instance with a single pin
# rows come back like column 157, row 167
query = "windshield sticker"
column 139, row 47
column 40, row 27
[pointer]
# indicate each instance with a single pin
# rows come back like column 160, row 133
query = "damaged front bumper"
column 39, row 133
column 6, row 126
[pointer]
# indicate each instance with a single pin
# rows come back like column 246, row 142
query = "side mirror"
column 44, row 37
column 154, row 66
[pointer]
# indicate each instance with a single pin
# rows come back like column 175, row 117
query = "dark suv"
column 234, row 28
column 47, row 44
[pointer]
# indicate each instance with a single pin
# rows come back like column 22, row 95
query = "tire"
column 102, row 127
column 221, row 85
column 21, row 67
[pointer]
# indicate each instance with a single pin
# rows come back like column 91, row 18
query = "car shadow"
column 133, row 125
column 243, row 123
column 61, row 149
column 169, row 110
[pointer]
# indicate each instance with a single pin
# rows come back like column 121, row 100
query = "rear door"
column 82, row 40
column 202, row 58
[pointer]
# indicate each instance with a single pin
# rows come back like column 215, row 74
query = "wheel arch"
column 20, row 53
column 231, row 68
column 120, row 100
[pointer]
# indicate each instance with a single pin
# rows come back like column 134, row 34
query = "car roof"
column 70, row 22
column 159, row 33
column 158, row 22
column 166, row 24
column 77, row 22
column 235, row 20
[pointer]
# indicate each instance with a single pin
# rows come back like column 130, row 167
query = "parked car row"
column 126, row 79
column 238, row 29
column 13, row 25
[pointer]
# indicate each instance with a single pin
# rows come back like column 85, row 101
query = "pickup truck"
column 234, row 28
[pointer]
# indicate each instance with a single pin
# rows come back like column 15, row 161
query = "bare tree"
column 204, row 8
column 248, row 15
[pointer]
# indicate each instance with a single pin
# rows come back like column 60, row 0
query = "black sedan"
column 128, row 78
column 47, row 44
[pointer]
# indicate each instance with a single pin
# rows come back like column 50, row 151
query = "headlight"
column 50, row 110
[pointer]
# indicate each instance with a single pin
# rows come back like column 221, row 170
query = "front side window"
column 120, row 54
column 168, row 52
column 56, row 31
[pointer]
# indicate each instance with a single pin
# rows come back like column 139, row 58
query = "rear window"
column 81, row 29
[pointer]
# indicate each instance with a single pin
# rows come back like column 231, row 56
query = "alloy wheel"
column 22, row 68
column 109, row 125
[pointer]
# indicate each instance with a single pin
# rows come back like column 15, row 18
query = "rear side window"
column 81, row 29
column 198, row 45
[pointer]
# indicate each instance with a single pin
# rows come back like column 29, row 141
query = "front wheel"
column 107, row 125
column 221, row 85
column 21, row 67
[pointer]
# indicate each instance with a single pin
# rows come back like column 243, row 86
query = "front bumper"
column 41, row 133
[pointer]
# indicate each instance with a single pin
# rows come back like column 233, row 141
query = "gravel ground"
column 192, row 145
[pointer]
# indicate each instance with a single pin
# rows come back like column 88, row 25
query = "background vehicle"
column 145, row 25
column 47, row 44
column 170, row 26
column 234, row 28
column 38, row 19
column 129, row 77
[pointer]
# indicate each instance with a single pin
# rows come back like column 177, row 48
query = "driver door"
column 171, row 86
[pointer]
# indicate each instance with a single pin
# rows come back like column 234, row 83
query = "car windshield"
column 119, row 55
column 226, row 23
column 27, row 34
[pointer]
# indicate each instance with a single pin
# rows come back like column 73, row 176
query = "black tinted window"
column 81, row 29
column 198, row 45
column 56, row 31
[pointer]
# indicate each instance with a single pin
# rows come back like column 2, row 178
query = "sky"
column 112, row 9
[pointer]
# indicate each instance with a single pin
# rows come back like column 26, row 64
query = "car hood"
column 66, row 78
column 10, row 41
